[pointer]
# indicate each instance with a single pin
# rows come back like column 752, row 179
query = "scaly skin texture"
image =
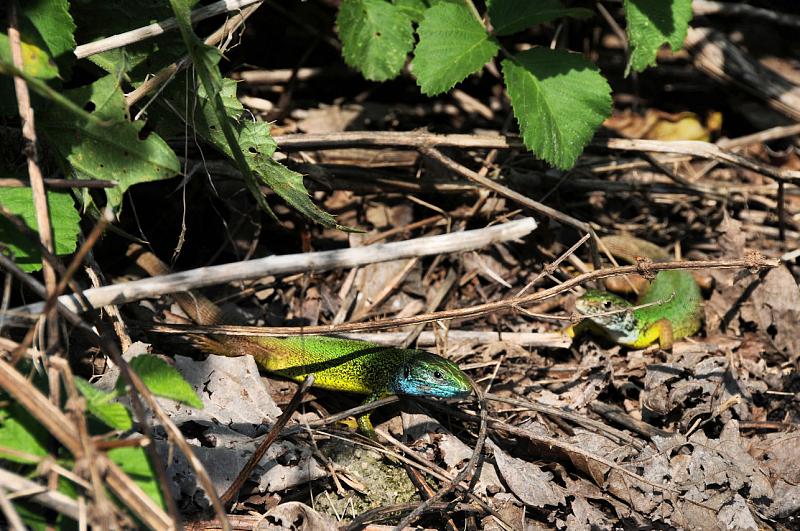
column 348, row 365
column 677, row 314
column 337, row 364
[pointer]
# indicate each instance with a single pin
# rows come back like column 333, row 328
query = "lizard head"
column 608, row 314
column 427, row 374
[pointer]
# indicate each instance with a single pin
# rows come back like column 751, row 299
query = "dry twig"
column 158, row 28
column 471, row 311
column 295, row 263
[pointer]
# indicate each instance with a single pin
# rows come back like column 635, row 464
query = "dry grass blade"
column 21, row 390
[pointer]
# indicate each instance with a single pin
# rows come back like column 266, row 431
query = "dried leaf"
column 299, row 517
column 232, row 391
column 776, row 309
column 528, row 482
column 779, row 457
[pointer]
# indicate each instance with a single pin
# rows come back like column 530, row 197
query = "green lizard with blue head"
column 337, row 364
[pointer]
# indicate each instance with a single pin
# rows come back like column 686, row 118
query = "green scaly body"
column 338, row 364
column 348, row 365
column 677, row 309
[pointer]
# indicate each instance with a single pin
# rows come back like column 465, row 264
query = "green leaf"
column 36, row 62
column 50, row 26
column 452, row 45
column 20, row 431
column 652, row 23
column 289, row 185
column 101, row 404
column 205, row 59
column 413, row 9
column 63, row 218
column 511, row 16
column 376, row 37
column 559, row 99
column 134, row 462
column 109, row 148
column 46, row 33
column 163, row 380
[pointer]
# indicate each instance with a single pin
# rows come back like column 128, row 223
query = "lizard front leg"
column 664, row 332
column 364, row 422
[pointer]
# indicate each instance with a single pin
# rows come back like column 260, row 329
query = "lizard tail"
column 210, row 345
column 199, row 308
column 629, row 248
column 204, row 312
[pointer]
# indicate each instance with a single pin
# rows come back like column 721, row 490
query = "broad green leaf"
column 20, row 431
column 37, row 65
column 289, row 185
column 110, row 148
column 452, row 45
column 376, row 37
column 511, row 16
column 36, row 62
column 49, row 25
column 413, row 9
column 46, row 34
column 63, row 218
column 134, row 462
column 559, row 100
column 163, row 380
column 652, row 23
column 101, row 404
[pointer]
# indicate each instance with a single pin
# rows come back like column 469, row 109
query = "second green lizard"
column 673, row 304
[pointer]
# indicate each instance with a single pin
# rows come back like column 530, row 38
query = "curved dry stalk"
column 754, row 262
column 103, row 510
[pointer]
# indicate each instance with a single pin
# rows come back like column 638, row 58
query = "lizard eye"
column 437, row 375
column 606, row 305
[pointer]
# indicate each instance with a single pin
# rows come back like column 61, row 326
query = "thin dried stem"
column 470, row 312
column 158, row 28
column 264, row 445
column 34, row 171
